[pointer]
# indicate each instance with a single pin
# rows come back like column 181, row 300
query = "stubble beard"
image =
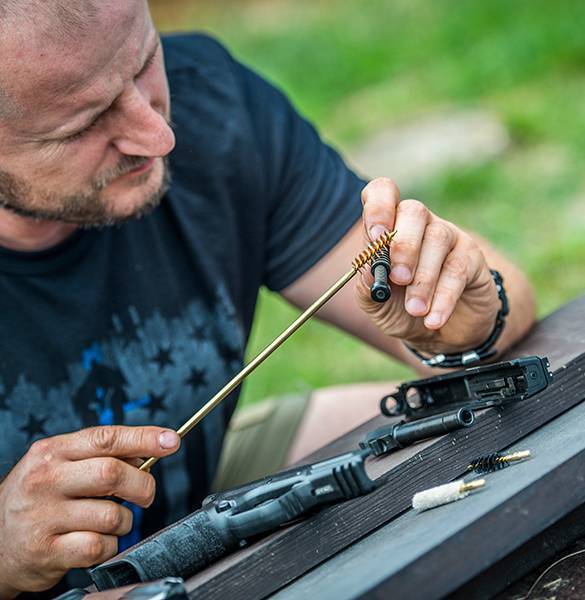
column 84, row 209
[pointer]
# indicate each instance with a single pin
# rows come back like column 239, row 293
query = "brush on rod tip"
column 496, row 461
column 444, row 494
column 373, row 248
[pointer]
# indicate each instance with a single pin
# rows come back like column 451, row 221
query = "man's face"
column 86, row 138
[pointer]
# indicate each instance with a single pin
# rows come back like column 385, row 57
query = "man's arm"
column 310, row 199
column 449, row 274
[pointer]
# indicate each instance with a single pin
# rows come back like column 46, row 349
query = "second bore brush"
column 496, row 461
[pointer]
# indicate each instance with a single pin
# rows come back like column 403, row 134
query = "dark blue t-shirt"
column 142, row 323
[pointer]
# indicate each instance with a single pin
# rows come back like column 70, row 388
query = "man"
column 140, row 323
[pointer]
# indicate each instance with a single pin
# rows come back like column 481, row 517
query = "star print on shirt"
column 163, row 358
column 197, row 379
column 228, row 353
column 198, row 332
column 156, row 403
column 34, row 427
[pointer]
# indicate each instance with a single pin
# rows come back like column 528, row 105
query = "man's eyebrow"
column 143, row 69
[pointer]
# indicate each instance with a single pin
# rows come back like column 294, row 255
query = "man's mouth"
column 142, row 168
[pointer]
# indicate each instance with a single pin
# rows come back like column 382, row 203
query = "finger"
column 438, row 241
column 450, row 286
column 411, row 221
column 83, row 549
column 101, row 516
column 380, row 199
column 100, row 477
column 119, row 441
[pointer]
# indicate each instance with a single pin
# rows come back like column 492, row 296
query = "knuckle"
column 142, row 438
column 111, row 473
column 439, row 234
column 423, row 281
column 112, row 518
column 456, row 266
column 102, row 439
column 466, row 240
column 127, row 521
column 416, row 208
column 404, row 249
column 380, row 184
column 385, row 183
column 149, row 490
column 94, row 548
column 41, row 448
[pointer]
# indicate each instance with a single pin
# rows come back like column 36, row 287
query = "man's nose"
column 138, row 129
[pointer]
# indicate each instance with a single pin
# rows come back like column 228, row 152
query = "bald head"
column 61, row 17
column 54, row 23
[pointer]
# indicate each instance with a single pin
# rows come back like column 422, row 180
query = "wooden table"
column 376, row 546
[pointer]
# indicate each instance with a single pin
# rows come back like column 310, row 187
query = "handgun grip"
column 180, row 550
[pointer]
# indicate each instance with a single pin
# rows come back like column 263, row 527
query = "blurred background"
column 477, row 108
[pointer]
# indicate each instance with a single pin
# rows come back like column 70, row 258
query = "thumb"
column 380, row 200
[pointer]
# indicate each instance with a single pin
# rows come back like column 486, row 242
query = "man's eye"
column 80, row 134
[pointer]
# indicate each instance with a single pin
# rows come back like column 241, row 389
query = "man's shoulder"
column 211, row 115
column 196, row 51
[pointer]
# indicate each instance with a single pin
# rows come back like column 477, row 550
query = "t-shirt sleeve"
column 312, row 198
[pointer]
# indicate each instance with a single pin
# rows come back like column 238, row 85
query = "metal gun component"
column 474, row 387
column 358, row 263
column 380, row 290
column 393, row 437
column 165, row 589
column 496, row 461
column 230, row 519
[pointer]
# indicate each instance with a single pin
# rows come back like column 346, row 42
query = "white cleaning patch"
column 442, row 494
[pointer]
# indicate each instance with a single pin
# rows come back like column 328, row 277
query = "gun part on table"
column 399, row 435
column 474, row 388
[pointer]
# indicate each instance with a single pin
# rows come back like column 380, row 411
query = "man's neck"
column 29, row 235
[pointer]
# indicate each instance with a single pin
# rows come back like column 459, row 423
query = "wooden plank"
column 290, row 553
column 431, row 554
column 560, row 336
column 525, row 564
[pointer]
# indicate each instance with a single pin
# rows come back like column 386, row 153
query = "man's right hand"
column 53, row 517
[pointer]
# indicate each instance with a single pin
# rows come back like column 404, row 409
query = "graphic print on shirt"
column 156, row 370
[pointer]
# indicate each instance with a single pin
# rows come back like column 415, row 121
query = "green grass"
column 355, row 66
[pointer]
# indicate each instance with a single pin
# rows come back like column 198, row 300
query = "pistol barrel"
column 409, row 433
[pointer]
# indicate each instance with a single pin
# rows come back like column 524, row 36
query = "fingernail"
column 376, row 231
column 434, row 319
column 401, row 274
column 416, row 307
column 168, row 440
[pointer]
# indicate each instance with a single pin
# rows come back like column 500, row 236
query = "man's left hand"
column 444, row 298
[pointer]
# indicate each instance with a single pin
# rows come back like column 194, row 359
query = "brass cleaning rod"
column 383, row 241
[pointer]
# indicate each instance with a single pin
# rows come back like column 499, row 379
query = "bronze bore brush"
column 496, row 461
column 360, row 260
